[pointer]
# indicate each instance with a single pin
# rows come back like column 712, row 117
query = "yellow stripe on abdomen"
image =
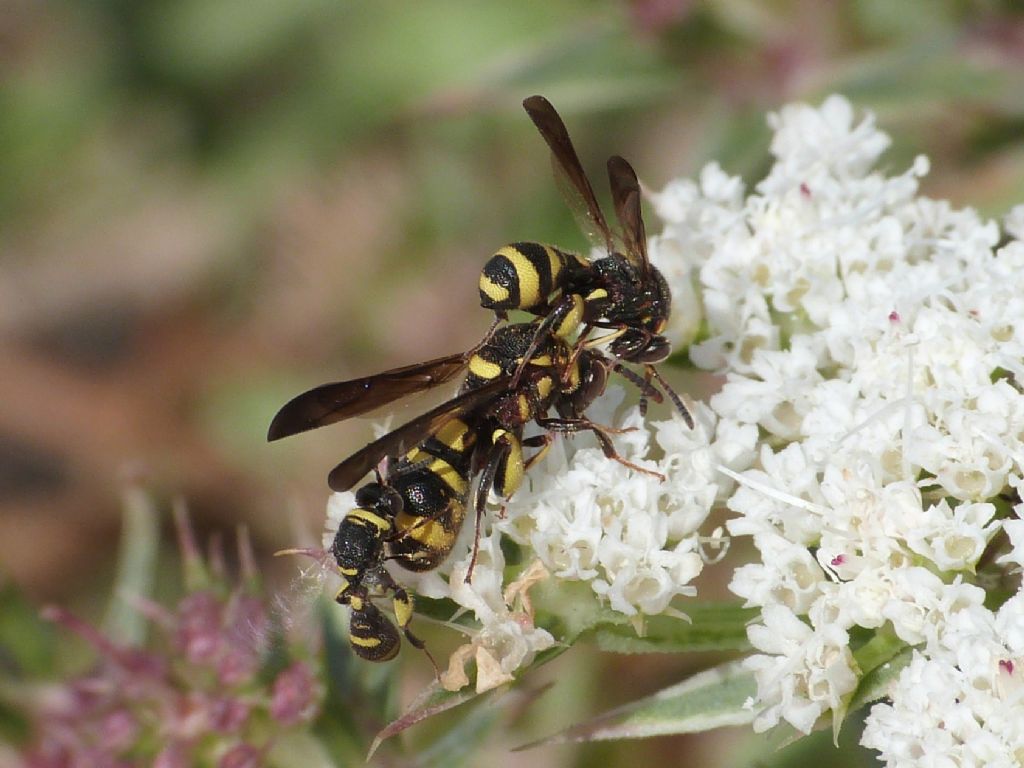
column 496, row 293
column 527, row 277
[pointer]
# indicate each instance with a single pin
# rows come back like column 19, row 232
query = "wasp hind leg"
column 503, row 470
column 572, row 426
column 537, row 441
column 403, row 605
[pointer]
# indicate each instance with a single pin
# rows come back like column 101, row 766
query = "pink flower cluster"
column 206, row 693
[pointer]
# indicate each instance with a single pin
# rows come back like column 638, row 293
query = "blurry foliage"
column 209, row 205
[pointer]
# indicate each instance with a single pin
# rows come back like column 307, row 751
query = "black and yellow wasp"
column 622, row 292
column 413, row 513
column 359, row 550
column 503, row 392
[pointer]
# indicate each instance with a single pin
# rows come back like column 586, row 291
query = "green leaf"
column 711, row 627
column 136, row 563
column 711, row 699
column 353, row 694
column 881, row 660
column 27, row 642
column 882, row 647
column 433, row 701
column 567, row 609
column 458, row 744
column 875, row 684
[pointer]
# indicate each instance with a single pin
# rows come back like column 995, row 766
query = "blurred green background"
column 207, row 206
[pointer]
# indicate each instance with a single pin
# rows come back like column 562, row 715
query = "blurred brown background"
column 207, row 206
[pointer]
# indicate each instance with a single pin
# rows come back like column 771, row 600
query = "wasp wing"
column 341, row 400
column 569, row 174
column 626, row 198
column 412, row 433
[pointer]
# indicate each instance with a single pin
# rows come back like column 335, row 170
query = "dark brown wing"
column 626, row 197
column 340, row 400
column 569, row 171
column 398, row 441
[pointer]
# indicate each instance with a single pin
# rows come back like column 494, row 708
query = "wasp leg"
column 577, row 350
column 499, row 316
column 647, row 385
column 503, row 470
column 673, row 396
column 571, row 426
column 562, row 321
column 537, row 441
column 403, row 604
column 620, row 330
column 643, row 383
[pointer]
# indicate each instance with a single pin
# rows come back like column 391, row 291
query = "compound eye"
column 393, row 500
column 657, row 350
column 369, row 495
column 637, row 347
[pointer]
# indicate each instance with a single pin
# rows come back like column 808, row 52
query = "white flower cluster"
column 875, row 338
column 634, row 538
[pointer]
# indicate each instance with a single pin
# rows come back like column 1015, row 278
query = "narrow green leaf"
column 875, row 684
column 711, row 627
column 459, row 744
column 27, row 653
column 883, row 658
column 136, row 562
column 346, row 702
column 878, row 650
column 433, row 701
column 871, row 657
column 711, row 699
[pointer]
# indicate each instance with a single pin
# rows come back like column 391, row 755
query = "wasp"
column 478, row 433
column 411, row 514
column 359, row 550
column 497, row 408
column 622, row 293
column 413, row 517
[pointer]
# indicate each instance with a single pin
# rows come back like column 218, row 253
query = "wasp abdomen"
column 372, row 635
column 523, row 276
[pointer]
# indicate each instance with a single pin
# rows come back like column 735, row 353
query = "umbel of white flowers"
column 868, row 438
column 876, row 339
